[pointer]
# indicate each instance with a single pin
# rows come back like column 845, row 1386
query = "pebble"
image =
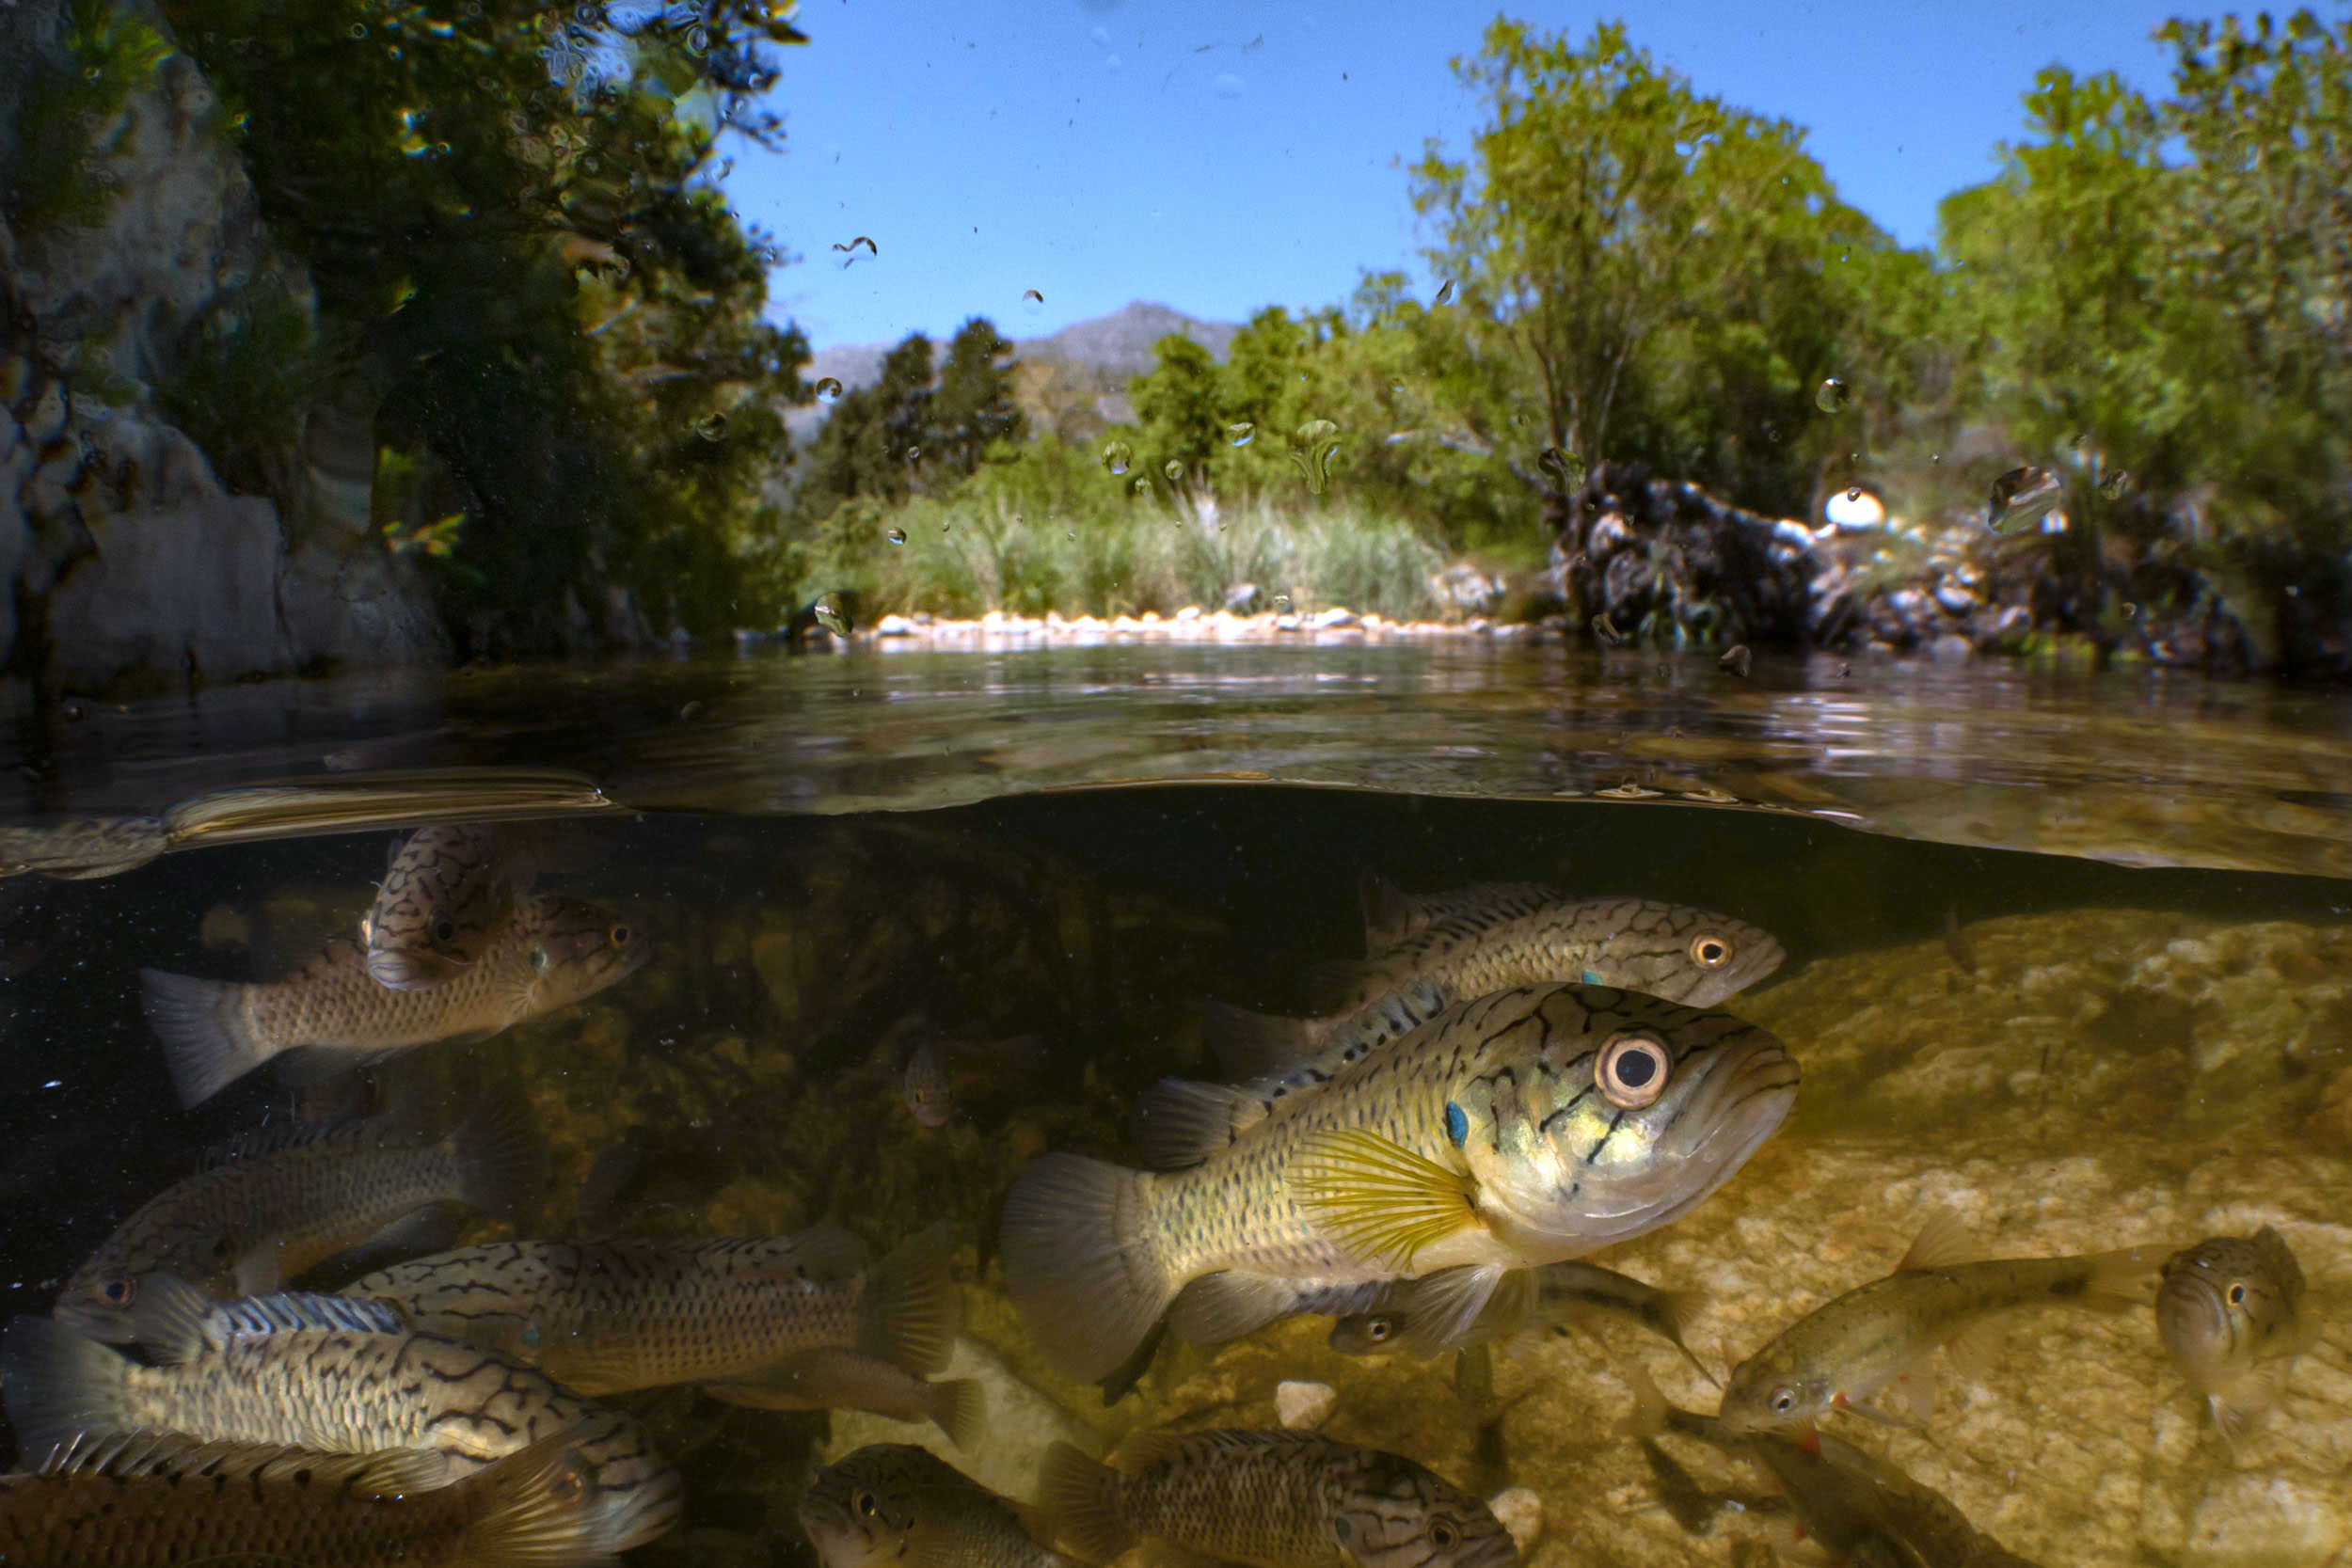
column 1304, row 1405
column 1521, row 1513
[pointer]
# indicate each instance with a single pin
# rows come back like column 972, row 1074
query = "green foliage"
column 1641, row 271
column 56, row 173
column 519, row 265
column 244, row 375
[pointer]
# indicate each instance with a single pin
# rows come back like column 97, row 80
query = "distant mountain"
column 1121, row 343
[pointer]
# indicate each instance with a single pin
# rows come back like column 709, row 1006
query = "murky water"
column 2069, row 1054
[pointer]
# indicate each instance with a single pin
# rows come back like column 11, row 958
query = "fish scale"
column 642, row 1312
column 311, row 1372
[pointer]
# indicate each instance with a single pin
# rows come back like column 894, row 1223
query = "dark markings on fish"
column 1602, row 1141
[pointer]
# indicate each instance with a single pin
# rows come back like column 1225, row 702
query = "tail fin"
column 1080, row 1497
column 500, row 1158
column 540, row 1507
column 2119, row 1279
column 960, row 1410
column 1079, row 1262
column 206, row 1045
column 60, row 1385
column 912, row 1311
column 1649, row 1415
column 1676, row 1311
column 1250, row 1045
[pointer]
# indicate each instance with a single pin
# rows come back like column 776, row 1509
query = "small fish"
column 891, row 1505
column 1270, row 1499
column 1670, row 951
column 311, row 1372
column 1518, row 1128
column 1844, row 1355
column 1525, row 1300
column 1956, row 940
column 167, row 1501
column 643, row 1313
column 1858, row 1507
column 2020, row 498
column 551, row 952
column 936, row 1066
column 449, row 890
column 2230, row 1313
column 277, row 1204
column 835, row 1378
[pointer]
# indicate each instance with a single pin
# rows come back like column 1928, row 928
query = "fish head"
column 1766, row 1394
column 438, row 908
column 2222, row 1301
column 575, row 949
column 1366, row 1333
column 1396, row 1514
column 1616, row 1115
column 930, row 1093
column 863, row 1512
column 1692, row 956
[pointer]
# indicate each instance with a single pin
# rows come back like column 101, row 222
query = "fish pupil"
column 2237, row 1295
column 445, row 929
column 1636, row 1068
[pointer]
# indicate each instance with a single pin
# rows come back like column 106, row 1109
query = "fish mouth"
column 2191, row 1317
column 824, row 1520
column 1493, row 1551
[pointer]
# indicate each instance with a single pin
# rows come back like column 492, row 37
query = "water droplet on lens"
column 1033, row 301
column 2019, row 496
column 1446, row 293
column 1737, row 660
column 1241, row 432
column 1173, row 469
column 2131, row 611
column 827, row 389
column 895, row 535
column 1143, row 486
column 1312, row 446
column 830, row 617
column 1605, row 630
column 1282, row 601
column 1569, row 467
column 2115, row 484
column 711, row 427
column 1853, row 492
column 914, row 452
column 1831, row 396
column 359, row 29
column 1117, row 455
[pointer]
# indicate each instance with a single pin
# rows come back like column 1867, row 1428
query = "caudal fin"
column 207, row 1045
column 1079, row 1498
column 501, row 1156
column 912, row 1311
column 1080, row 1263
column 60, row 1385
column 2119, row 1279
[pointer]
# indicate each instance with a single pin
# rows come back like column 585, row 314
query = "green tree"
column 1181, row 405
column 1614, row 239
column 971, row 410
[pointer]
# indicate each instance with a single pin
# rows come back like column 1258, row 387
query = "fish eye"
column 620, row 936
column 865, row 1505
column 1711, row 951
column 1442, row 1534
column 445, row 929
column 2237, row 1295
column 1632, row 1069
column 538, row 957
column 1377, row 1330
column 1784, row 1401
column 117, row 1289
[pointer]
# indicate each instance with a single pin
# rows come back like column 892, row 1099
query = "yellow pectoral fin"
column 1381, row 1200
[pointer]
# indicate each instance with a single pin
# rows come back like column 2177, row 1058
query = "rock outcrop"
column 126, row 560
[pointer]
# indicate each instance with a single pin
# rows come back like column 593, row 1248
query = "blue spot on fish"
column 1457, row 1124
column 1592, row 977
column 531, row 1336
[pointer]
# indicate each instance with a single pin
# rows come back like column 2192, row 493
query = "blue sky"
column 1218, row 156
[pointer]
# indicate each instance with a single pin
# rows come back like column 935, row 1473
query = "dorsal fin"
column 262, row 1141
column 151, row 1453
column 291, row 1311
column 1941, row 1243
column 1179, row 1122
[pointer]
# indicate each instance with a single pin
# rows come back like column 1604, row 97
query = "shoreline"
column 1189, row 624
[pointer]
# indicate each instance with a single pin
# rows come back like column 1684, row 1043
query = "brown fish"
column 1271, row 1500
column 277, row 1204
column 448, row 890
column 552, row 951
column 311, row 1372
column 891, row 1505
column 644, row 1312
column 173, row 1501
column 2230, row 1313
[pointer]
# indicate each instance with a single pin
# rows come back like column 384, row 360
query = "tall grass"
column 979, row 549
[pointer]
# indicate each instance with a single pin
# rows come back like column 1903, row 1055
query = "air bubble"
column 711, row 427
column 827, row 390
column 1241, row 433
column 1830, row 396
column 1312, row 446
column 1117, row 455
